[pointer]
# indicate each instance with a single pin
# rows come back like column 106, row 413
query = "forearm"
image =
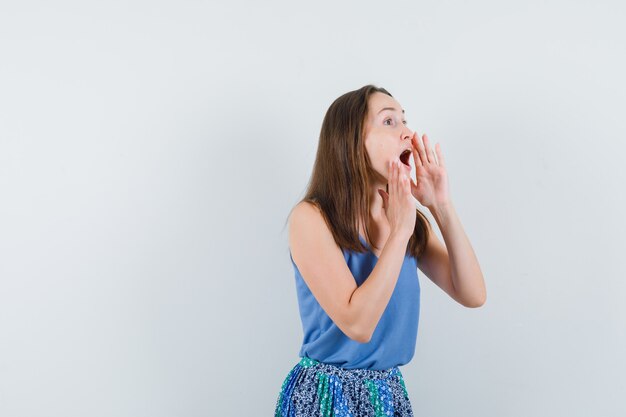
column 369, row 300
column 466, row 275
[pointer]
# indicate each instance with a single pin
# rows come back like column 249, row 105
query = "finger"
column 429, row 149
column 414, row 152
column 419, row 156
column 403, row 182
column 416, row 161
column 396, row 179
column 389, row 168
column 385, row 197
column 424, row 149
column 440, row 155
column 388, row 177
column 407, row 185
column 410, row 177
column 392, row 171
column 399, row 182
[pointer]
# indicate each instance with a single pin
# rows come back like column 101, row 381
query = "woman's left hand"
column 431, row 185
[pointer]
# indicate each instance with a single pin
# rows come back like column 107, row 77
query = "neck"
column 377, row 212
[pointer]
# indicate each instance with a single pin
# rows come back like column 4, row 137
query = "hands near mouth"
column 430, row 187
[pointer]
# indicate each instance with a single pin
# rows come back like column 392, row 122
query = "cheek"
column 384, row 154
column 380, row 154
column 381, row 157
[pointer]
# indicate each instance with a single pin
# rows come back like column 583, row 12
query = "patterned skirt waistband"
column 315, row 388
column 344, row 373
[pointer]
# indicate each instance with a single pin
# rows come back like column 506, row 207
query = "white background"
column 150, row 152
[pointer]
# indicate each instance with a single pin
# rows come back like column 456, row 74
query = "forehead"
column 378, row 101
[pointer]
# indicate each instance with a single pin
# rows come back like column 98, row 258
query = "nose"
column 406, row 132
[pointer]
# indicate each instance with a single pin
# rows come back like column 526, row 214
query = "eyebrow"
column 389, row 108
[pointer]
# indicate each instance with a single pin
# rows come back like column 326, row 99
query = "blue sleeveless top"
column 393, row 341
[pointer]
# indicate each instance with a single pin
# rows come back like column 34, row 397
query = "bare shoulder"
column 305, row 214
column 321, row 263
column 308, row 231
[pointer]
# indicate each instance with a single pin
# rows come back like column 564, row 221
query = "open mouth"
column 405, row 156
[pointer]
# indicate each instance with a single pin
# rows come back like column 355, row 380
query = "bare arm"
column 465, row 272
column 368, row 302
column 453, row 267
column 355, row 310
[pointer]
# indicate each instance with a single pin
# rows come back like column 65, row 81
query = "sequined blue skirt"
column 314, row 388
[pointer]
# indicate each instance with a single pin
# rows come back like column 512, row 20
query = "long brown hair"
column 342, row 174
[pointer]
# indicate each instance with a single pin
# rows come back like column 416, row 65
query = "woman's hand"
column 431, row 185
column 398, row 204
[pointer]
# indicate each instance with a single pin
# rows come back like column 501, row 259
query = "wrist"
column 399, row 235
column 442, row 209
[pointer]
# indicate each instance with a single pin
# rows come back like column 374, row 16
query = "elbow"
column 478, row 302
column 474, row 305
column 356, row 329
column 360, row 335
column 364, row 338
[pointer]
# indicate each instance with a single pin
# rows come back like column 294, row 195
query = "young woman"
column 356, row 240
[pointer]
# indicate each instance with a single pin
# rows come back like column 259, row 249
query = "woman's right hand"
column 398, row 204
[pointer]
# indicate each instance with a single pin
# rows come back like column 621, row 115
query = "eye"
column 389, row 118
column 404, row 121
